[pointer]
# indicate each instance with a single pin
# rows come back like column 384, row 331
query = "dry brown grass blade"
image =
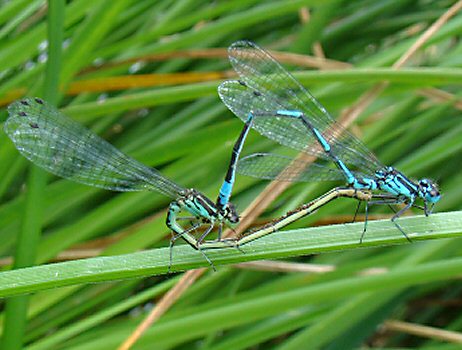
column 423, row 331
column 290, row 58
column 288, row 267
column 441, row 96
column 163, row 305
column 285, row 266
column 124, row 82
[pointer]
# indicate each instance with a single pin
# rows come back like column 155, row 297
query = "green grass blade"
column 280, row 245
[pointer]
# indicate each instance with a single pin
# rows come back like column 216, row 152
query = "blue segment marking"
column 326, row 147
column 295, row 114
column 225, row 192
column 228, row 183
column 322, row 140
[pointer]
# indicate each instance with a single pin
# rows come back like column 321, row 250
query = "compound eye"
column 231, row 214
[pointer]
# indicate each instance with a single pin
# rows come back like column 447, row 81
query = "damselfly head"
column 230, row 213
column 428, row 191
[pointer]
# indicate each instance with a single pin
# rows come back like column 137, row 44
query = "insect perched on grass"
column 280, row 108
column 65, row 148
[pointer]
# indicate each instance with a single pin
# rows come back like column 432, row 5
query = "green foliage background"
column 187, row 133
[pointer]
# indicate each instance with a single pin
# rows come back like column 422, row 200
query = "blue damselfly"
column 269, row 98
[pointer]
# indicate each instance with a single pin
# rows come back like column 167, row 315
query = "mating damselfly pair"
column 267, row 98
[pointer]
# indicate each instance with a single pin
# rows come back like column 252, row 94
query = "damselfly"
column 65, row 148
column 280, row 108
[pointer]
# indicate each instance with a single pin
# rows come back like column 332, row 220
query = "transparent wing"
column 242, row 100
column 272, row 166
column 63, row 147
column 266, row 87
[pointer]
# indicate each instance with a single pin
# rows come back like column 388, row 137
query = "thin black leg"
column 397, row 215
column 392, row 209
column 199, row 241
column 205, row 234
column 428, row 208
column 357, row 211
column 173, row 240
column 366, row 216
column 382, row 199
column 207, row 258
column 220, row 231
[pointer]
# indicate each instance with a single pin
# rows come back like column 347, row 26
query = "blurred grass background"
column 143, row 75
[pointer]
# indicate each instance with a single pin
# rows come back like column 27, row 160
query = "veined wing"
column 273, row 166
column 65, row 148
column 242, row 100
column 267, row 87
